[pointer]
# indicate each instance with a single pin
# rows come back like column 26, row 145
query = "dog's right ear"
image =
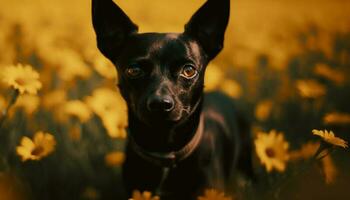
column 208, row 26
column 112, row 27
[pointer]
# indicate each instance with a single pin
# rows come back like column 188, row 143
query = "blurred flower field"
column 62, row 120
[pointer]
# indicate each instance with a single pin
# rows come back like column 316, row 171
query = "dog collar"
column 170, row 159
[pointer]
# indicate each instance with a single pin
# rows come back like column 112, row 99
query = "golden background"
column 286, row 62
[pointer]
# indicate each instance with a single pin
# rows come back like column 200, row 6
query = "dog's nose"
column 160, row 103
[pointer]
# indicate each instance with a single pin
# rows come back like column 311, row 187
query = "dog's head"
column 161, row 75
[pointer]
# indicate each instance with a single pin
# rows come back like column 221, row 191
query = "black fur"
column 165, row 106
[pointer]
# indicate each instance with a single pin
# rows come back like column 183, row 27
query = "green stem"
column 12, row 101
column 323, row 146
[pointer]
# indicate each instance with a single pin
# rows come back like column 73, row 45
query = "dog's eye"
column 188, row 71
column 134, row 72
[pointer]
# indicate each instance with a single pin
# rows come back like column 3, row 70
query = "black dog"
column 180, row 140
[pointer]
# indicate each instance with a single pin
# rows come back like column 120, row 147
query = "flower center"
column 107, row 107
column 37, row 151
column 270, row 152
column 21, row 81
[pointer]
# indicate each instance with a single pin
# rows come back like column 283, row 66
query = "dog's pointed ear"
column 207, row 26
column 112, row 27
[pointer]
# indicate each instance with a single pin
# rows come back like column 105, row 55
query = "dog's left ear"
column 112, row 27
column 207, row 26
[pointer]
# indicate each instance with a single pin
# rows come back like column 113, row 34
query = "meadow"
column 62, row 122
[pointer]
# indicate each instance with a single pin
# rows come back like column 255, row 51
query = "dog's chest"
column 203, row 169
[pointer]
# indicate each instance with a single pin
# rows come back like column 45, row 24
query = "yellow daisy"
column 105, row 100
column 213, row 77
column 231, row 88
column 29, row 103
column 336, row 118
column 115, row 123
column 71, row 65
column 137, row 195
column 263, row 110
column 310, row 88
column 54, row 98
column 211, row 194
column 41, row 146
column 306, row 151
column 22, row 78
column 104, row 67
column 111, row 108
column 115, row 158
column 75, row 108
column 329, row 137
column 330, row 73
column 272, row 150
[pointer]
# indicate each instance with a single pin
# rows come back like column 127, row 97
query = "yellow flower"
column 211, row 194
column 329, row 137
column 231, row 88
column 54, row 98
column 112, row 109
column 67, row 63
column 306, row 151
column 71, row 65
column 115, row 123
column 213, row 77
column 336, row 118
column 272, row 150
column 105, row 100
column 22, row 78
column 263, row 110
column 41, row 146
column 331, row 74
column 329, row 170
column 29, row 103
column 310, row 88
column 115, row 158
column 75, row 108
column 104, row 67
column 137, row 195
